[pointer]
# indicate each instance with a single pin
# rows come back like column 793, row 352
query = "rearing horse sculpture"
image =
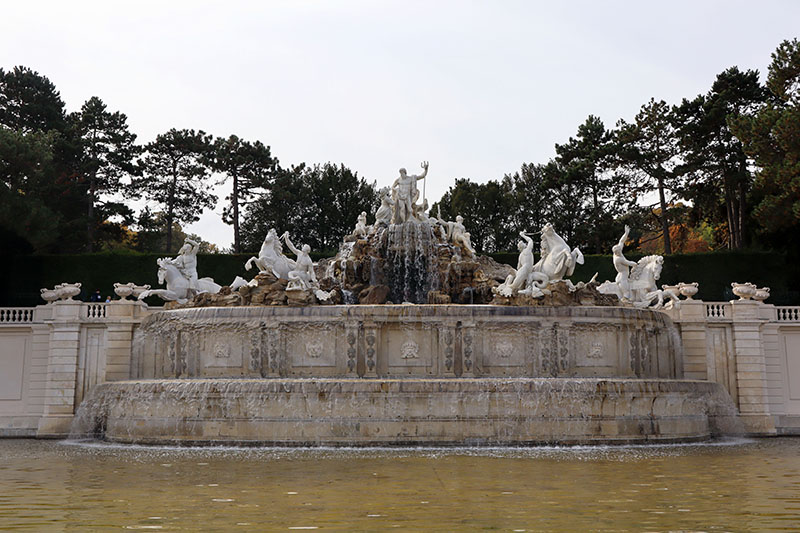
column 178, row 287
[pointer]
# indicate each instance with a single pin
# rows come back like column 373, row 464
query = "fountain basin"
column 419, row 411
column 407, row 341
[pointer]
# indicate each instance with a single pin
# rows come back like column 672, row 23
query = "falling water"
column 412, row 271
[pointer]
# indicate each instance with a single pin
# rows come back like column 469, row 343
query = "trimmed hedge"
column 21, row 277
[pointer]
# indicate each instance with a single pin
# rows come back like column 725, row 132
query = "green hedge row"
column 21, row 277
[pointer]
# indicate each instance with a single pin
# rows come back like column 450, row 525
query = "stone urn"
column 761, row 294
column 673, row 290
column 688, row 289
column 67, row 290
column 49, row 295
column 139, row 289
column 123, row 290
column 744, row 291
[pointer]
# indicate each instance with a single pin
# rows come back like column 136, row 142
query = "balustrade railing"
column 716, row 311
column 16, row 315
column 788, row 313
column 97, row 310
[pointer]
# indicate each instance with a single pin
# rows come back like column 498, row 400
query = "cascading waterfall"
column 410, row 254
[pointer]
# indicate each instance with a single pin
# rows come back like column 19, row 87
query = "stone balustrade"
column 51, row 355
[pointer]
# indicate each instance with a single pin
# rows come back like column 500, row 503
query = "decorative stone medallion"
column 222, row 350
column 410, row 350
column 504, row 348
column 596, row 350
column 314, row 348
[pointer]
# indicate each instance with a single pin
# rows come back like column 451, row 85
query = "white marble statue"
column 270, row 257
column 303, row 277
column 383, row 216
column 458, row 235
column 186, row 262
column 621, row 285
column 405, row 194
column 524, row 280
column 179, row 287
column 642, row 284
column 360, row 232
column 420, row 212
column 557, row 261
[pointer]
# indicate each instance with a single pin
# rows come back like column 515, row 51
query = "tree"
column 29, row 101
column 319, row 205
column 175, row 177
column 711, row 152
column 771, row 136
column 649, row 156
column 584, row 162
column 25, row 215
column 487, row 208
column 151, row 235
column 251, row 167
column 107, row 153
column 530, row 208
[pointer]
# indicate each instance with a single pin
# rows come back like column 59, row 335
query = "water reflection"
column 732, row 486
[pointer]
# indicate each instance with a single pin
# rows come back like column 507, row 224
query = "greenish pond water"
column 744, row 485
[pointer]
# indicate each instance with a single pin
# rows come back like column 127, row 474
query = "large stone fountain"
column 407, row 336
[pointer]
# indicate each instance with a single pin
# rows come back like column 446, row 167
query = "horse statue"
column 270, row 257
column 178, row 287
column 557, row 262
column 642, row 282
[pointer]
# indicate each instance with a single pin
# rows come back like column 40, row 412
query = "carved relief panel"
column 312, row 345
column 407, row 351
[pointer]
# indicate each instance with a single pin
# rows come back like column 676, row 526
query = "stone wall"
column 51, row 355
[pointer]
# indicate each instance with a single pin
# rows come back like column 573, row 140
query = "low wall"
column 407, row 341
column 52, row 355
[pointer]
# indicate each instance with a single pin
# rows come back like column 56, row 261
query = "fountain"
column 408, row 337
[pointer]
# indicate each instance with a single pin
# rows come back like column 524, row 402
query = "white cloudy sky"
column 476, row 88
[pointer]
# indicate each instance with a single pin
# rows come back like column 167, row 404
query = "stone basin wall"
column 358, row 412
column 403, row 341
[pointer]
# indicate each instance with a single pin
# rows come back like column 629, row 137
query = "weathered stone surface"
column 409, row 340
column 300, row 298
column 420, row 411
column 375, row 294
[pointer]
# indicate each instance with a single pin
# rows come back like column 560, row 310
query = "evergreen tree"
column 711, row 153
column 175, row 177
column 529, row 205
column 251, row 167
column 583, row 170
column 27, row 222
column 107, row 154
column 649, row 156
column 771, row 136
column 488, row 211
column 319, row 205
column 29, row 102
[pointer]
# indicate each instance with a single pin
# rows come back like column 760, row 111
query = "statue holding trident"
column 406, row 194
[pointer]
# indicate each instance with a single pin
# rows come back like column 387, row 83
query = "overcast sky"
column 476, row 88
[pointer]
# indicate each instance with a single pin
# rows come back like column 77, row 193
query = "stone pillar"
column 751, row 368
column 121, row 317
column 691, row 316
column 771, row 345
column 62, row 367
